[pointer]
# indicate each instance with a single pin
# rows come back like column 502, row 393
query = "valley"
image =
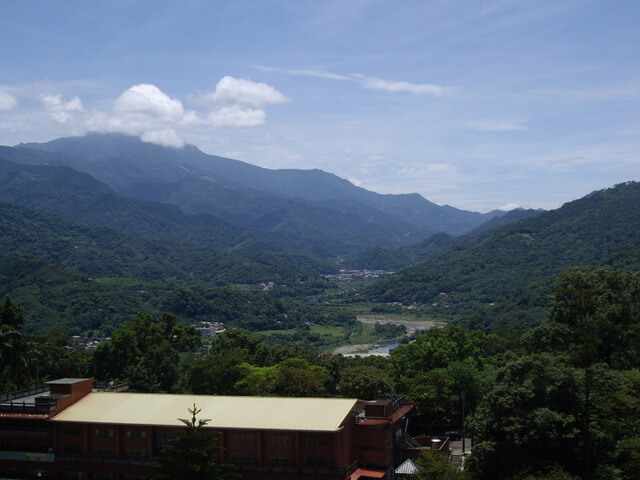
column 322, row 289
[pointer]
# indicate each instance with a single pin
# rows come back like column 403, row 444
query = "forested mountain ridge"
column 318, row 211
column 84, row 200
column 103, row 252
column 521, row 258
column 385, row 259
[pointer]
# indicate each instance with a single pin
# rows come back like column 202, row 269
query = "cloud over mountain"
column 146, row 111
column 7, row 102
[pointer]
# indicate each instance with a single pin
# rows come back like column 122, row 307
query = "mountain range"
column 301, row 210
column 112, row 206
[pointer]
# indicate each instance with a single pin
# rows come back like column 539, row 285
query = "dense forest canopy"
column 559, row 400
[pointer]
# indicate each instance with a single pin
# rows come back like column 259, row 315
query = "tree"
column 296, row 377
column 527, row 423
column 192, row 454
column 435, row 466
column 364, row 382
column 11, row 313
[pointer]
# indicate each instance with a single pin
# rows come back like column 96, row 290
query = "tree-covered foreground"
column 557, row 401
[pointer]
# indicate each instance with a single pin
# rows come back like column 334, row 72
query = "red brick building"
column 69, row 431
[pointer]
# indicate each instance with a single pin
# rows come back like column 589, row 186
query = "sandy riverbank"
column 367, row 349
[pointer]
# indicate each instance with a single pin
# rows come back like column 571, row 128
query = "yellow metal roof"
column 267, row 413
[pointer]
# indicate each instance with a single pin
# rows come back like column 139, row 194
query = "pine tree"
column 192, row 455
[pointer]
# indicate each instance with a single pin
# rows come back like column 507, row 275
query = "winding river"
column 382, row 348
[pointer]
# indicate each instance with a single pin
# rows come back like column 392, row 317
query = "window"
column 136, row 452
column 241, row 439
column 72, row 431
column 71, row 449
column 103, row 476
column 318, row 441
column 136, row 434
column 241, row 457
column 279, row 459
column 103, row 432
column 279, row 441
column 100, row 450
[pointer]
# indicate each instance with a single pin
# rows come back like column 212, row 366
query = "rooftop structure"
column 87, row 434
column 258, row 413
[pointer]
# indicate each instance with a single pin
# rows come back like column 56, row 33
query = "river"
column 382, row 348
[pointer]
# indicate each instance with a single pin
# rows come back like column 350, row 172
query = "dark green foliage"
column 102, row 252
column 436, row 466
column 16, row 350
column 385, row 259
column 11, row 313
column 389, row 330
column 144, row 353
column 576, row 404
column 599, row 229
column 528, row 420
column 364, row 382
column 55, row 296
column 192, row 454
column 443, row 367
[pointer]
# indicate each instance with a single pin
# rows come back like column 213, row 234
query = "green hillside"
column 519, row 260
column 102, row 252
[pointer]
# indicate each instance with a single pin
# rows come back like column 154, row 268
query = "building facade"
column 67, row 430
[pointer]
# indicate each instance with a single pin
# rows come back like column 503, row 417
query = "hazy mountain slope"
column 285, row 224
column 233, row 190
column 102, row 252
column 84, row 200
column 386, row 259
column 602, row 228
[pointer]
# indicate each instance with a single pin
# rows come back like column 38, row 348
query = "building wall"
column 257, row 454
column 42, row 448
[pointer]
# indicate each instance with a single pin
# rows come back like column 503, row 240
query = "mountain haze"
column 298, row 209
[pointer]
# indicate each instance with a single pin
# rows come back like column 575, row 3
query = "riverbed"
column 382, row 348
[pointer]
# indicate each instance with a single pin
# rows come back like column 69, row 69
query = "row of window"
column 104, row 433
column 102, row 450
column 277, row 440
column 73, row 475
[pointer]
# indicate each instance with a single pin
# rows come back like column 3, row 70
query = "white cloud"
column 60, row 110
column 239, row 91
column 509, row 206
column 143, row 110
column 373, row 83
column 146, row 111
column 7, row 102
column 149, row 100
column 395, row 86
column 236, row 116
column 166, row 137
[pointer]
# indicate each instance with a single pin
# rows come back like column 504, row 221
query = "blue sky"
column 474, row 104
